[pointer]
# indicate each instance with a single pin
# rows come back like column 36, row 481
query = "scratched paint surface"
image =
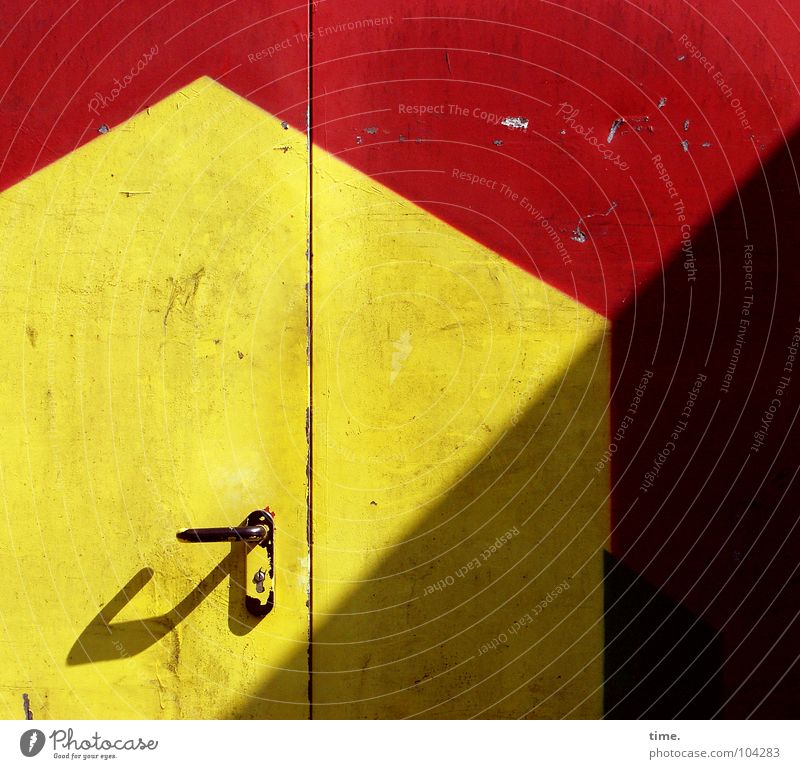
column 661, row 144
column 491, row 61
column 717, row 543
column 459, row 522
column 154, row 348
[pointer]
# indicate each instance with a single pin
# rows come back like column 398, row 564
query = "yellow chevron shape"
column 154, row 285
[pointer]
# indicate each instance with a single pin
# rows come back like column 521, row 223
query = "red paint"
column 514, row 59
column 57, row 61
column 724, row 548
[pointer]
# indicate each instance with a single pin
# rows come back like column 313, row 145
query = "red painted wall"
column 649, row 226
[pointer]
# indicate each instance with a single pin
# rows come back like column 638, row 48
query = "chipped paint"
column 685, row 145
column 578, row 235
column 662, row 102
column 301, row 573
column 607, row 213
column 26, row 708
column 614, row 128
column 637, row 122
column 515, row 123
column 686, row 125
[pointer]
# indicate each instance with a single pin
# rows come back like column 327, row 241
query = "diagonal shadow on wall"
column 704, row 562
column 426, row 633
column 717, row 530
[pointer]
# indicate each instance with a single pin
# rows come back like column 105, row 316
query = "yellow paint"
column 154, row 341
column 155, row 377
column 456, row 399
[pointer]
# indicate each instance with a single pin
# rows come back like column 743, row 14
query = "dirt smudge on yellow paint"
column 185, row 290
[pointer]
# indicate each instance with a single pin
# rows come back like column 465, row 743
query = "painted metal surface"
column 459, row 521
column 154, row 344
column 636, row 159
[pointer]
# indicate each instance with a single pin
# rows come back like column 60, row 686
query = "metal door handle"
column 258, row 533
column 223, row 534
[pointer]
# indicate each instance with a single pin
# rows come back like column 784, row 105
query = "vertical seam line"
column 310, row 356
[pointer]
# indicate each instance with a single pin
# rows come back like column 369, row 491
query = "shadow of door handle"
column 258, row 534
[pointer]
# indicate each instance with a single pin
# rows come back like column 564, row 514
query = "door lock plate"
column 259, row 565
column 257, row 535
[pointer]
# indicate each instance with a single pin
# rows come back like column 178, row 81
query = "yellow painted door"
column 153, row 289
column 459, row 513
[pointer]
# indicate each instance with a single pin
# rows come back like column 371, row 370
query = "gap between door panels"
column 309, row 355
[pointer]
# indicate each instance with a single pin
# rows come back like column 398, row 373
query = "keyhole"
column 259, row 580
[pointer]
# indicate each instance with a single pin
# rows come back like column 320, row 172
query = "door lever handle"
column 258, row 535
column 224, row 534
